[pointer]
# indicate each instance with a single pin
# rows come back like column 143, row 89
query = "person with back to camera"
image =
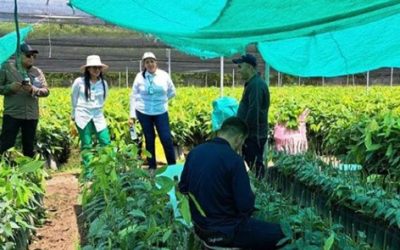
column 215, row 175
column 151, row 91
column 21, row 89
column 253, row 109
column 89, row 94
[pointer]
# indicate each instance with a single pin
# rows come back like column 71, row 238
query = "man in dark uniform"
column 215, row 175
column 253, row 109
column 21, row 88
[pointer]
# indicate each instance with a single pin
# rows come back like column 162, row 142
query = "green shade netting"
column 8, row 43
column 292, row 35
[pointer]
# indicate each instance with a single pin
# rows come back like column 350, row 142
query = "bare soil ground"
column 62, row 230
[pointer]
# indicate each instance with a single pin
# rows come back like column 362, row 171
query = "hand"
column 131, row 121
column 15, row 87
column 28, row 88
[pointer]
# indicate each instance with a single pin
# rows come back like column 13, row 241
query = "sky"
column 37, row 7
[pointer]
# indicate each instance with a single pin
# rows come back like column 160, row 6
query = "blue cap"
column 247, row 58
column 27, row 49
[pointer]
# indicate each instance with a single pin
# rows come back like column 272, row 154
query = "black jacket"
column 254, row 105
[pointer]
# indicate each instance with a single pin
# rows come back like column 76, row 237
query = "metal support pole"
column 391, row 77
column 233, row 77
column 279, row 79
column 222, row 76
column 267, row 73
column 169, row 60
column 127, row 77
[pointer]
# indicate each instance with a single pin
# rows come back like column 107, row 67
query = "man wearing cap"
column 215, row 177
column 21, row 88
column 253, row 109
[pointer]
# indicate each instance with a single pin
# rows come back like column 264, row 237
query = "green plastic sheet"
column 305, row 38
column 8, row 43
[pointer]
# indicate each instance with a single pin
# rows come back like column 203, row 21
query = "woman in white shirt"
column 151, row 91
column 89, row 93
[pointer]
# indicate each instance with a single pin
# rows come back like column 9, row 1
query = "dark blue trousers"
column 257, row 235
column 161, row 123
column 250, row 234
column 253, row 150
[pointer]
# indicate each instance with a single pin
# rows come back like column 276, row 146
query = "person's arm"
column 183, row 183
column 43, row 90
column 7, row 88
column 243, row 195
column 171, row 91
column 106, row 89
column 74, row 97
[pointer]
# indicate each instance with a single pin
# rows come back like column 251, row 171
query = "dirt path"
column 61, row 230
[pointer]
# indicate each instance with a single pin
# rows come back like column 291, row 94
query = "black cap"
column 247, row 58
column 27, row 49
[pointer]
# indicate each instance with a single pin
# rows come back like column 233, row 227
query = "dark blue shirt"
column 216, row 176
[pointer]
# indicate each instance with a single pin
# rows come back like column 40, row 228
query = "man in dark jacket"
column 253, row 109
column 215, row 176
column 21, row 87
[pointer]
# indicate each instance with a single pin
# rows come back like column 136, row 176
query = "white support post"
column 119, row 79
column 222, row 76
column 233, row 77
column 323, row 81
column 267, row 73
column 367, row 80
column 279, row 79
column 391, row 77
column 140, row 65
column 169, row 60
column 127, row 76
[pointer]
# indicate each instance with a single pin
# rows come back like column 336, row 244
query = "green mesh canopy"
column 8, row 43
column 305, row 38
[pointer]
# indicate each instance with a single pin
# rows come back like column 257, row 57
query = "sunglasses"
column 30, row 55
column 96, row 67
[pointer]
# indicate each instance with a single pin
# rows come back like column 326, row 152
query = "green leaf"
column 286, row 229
column 185, row 211
column 389, row 151
column 137, row 213
column 329, row 242
column 166, row 235
column 31, row 167
column 198, row 207
column 373, row 126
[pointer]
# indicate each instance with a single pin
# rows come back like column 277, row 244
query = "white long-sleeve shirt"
column 92, row 109
column 150, row 94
